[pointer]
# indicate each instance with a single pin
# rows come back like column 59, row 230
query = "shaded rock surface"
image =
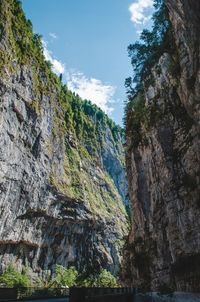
column 163, row 247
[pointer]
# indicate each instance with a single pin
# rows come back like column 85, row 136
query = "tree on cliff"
column 153, row 43
column 64, row 277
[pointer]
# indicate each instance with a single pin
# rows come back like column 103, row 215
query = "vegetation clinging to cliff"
column 144, row 55
column 82, row 126
column 64, row 277
column 27, row 48
column 12, row 278
column 153, row 43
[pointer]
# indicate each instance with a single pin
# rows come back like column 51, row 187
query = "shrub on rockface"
column 106, row 279
column 102, row 279
column 12, row 278
column 144, row 54
column 153, row 43
column 64, row 277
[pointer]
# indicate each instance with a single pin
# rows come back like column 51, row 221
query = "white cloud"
column 53, row 35
column 91, row 89
column 138, row 9
column 87, row 88
column 139, row 32
column 57, row 66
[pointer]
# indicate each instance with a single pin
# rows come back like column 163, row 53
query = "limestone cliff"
column 163, row 164
column 62, row 176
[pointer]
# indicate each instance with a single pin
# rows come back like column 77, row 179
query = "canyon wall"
column 163, row 165
column 62, row 167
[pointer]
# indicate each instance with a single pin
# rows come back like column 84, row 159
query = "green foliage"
column 12, row 278
column 88, row 122
column 136, row 114
column 25, row 47
column 80, row 124
column 64, row 277
column 151, row 46
column 70, row 277
column 81, row 116
column 103, row 279
column 144, row 55
column 106, row 279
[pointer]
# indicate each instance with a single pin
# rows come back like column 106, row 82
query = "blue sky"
column 87, row 41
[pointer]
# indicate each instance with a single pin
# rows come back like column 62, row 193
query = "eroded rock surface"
column 61, row 170
column 163, row 248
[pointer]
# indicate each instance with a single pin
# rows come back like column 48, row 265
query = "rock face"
column 163, row 166
column 62, row 176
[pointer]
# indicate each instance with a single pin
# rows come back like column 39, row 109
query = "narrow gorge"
column 70, row 177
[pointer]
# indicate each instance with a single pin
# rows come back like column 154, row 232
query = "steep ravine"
column 62, row 174
column 163, row 166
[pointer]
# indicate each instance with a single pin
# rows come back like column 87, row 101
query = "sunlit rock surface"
column 62, row 172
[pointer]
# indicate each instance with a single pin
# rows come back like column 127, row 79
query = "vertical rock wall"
column 60, row 202
column 163, row 247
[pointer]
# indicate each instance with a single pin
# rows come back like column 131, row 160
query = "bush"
column 64, row 277
column 106, row 279
column 102, row 279
column 12, row 278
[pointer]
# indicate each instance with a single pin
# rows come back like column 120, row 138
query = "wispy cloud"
column 138, row 11
column 57, row 66
column 91, row 89
column 53, row 36
column 87, row 88
column 139, row 32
